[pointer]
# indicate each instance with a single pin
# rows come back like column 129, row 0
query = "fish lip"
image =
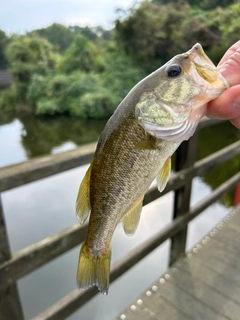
column 201, row 61
column 197, row 55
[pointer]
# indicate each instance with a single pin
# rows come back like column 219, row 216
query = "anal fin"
column 164, row 175
column 131, row 218
column 83, row 205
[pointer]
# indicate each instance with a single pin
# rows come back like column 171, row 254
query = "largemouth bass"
column 134, row 148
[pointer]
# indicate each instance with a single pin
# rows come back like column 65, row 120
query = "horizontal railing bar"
column 42, row 167
column 36, row 255
column 216, row 158
column 200, row 167
column 76, row 298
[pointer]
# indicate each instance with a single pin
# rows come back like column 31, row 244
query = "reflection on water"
column 42, row 135
column 32, row 137
column 47, row 206
column 212, row 139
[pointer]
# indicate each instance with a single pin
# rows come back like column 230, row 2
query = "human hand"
column 227, row 105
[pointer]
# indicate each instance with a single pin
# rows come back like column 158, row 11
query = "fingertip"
column 226, row 106
column 236, row 122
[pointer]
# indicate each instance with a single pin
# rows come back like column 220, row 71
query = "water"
column 40, row 209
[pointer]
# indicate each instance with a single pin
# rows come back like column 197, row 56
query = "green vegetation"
column 86, row 72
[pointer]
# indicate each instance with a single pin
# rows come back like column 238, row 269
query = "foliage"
column 28, row 56
column 84, row 94
column 227, row 20
column 81, row 55
column 92, row 92
column 153, row 33
column 204, row 4
column 87, row 32
column 96, row 68
column 121, row 74
column 56, row 34
column 56, row 94
column 62, row 36
column 8, row 99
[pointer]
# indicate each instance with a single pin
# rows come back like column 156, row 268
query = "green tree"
column 87, row 32
column 82, row 55
column 204, row 4
column 153, row 33
column 120, row 73
column 227, row 20
column 84, row 93
column 27, row 56
column 62, row 36
column 57, row 34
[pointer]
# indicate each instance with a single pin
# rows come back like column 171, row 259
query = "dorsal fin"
column 83, row 205
column 131, row 218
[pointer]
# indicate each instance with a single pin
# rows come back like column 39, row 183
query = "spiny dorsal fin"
column 83, row 205
column 164, row 174
column 131, row 219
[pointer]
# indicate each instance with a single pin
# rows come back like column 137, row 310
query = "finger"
column 229, row 52
column 236, row 122
column 230, row 68
column 226, row 106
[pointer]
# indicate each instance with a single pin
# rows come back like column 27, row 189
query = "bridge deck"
column 203, row 285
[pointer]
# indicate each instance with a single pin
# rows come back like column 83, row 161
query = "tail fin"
column 93, row 270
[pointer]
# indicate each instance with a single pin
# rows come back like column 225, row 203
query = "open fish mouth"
column 204, row 66
column 198, row 56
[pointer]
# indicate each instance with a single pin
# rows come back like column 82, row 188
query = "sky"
column 19, row 16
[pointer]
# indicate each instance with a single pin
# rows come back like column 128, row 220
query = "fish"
column 135, row 147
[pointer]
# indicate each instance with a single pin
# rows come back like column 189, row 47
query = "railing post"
column 10, row 305
column 185, row 157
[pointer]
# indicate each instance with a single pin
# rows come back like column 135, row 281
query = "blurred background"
column 64, row 68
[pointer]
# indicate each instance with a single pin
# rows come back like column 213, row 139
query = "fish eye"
column 174, row 71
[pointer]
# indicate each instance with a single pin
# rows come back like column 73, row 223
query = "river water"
column 40, row 209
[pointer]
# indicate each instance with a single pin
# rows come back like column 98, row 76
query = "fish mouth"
column 204, row 66
column 198, row 56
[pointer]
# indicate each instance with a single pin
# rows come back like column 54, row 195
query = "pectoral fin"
column 83, row 205
column 164, row 174
column 131, row 219
column 146, row 144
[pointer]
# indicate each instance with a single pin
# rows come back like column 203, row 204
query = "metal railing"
column 14, row 267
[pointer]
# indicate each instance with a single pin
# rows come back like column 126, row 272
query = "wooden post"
column 185, row 157
column 10, row 305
